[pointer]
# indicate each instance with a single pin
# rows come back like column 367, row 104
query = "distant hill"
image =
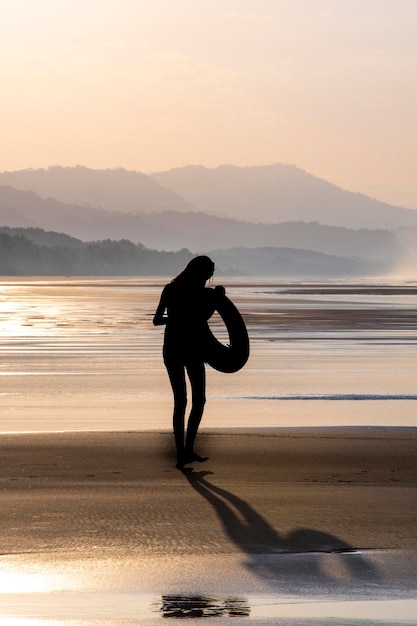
column 21, row 253
column 268, row 194
column 406, row 265
column 172, row 230
column 280, row 193
column 198, row 231
column 49, row 239
column 287, row 263
column 111, row 189
column 408, row 238
column 26, row 208
column 20, row 256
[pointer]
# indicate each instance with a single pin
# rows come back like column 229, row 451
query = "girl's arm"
column 215, row 295
column 159, row 319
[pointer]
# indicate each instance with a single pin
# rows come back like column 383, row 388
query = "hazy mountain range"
column 280, row 193
column 287, row 218
column 114, row 190
column 171, row 230
column 33, row 251
column 269, row 194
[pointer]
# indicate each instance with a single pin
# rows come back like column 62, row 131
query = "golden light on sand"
column 11, row 319
column 22, row 317
column 24, row 621
column 13, row 581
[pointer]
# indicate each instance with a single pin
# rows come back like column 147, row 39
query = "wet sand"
column 100, row 525
column 266, row 490
column 273, row 516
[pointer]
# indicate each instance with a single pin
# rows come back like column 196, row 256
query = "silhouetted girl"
column 185, row 306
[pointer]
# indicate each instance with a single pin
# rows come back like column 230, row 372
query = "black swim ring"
column 232, row 357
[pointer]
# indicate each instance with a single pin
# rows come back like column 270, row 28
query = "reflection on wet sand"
column 81, row 354
column 194, row 606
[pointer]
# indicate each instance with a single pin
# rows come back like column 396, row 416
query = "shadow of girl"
column 253, row 535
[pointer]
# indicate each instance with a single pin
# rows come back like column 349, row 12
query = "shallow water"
column 220, row 590
column 83, row 354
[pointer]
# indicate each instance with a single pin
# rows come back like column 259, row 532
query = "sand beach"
column 323, row 514
column 305, row 512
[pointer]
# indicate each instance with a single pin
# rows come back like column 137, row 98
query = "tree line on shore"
column 20, row 256
column 36, row 252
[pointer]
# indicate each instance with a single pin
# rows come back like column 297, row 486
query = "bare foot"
column 193, row 456
column 183, row 459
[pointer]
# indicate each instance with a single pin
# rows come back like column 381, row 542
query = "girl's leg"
column 197, row 375
column 176, row 373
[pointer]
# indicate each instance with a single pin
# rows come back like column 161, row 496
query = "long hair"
column 196, row 272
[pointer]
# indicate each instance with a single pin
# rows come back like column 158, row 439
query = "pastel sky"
column 328, row 85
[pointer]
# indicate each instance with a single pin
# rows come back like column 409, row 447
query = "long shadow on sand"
column 266, row 548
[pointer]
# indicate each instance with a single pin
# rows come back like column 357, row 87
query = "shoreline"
column 350, row 431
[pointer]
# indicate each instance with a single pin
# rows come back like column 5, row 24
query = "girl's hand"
column 219, row 291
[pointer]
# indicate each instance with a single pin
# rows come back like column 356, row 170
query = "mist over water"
column 80, row 354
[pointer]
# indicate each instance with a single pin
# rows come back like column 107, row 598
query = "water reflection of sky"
column 90, row 344
column 42, row 590
column 129, row 609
